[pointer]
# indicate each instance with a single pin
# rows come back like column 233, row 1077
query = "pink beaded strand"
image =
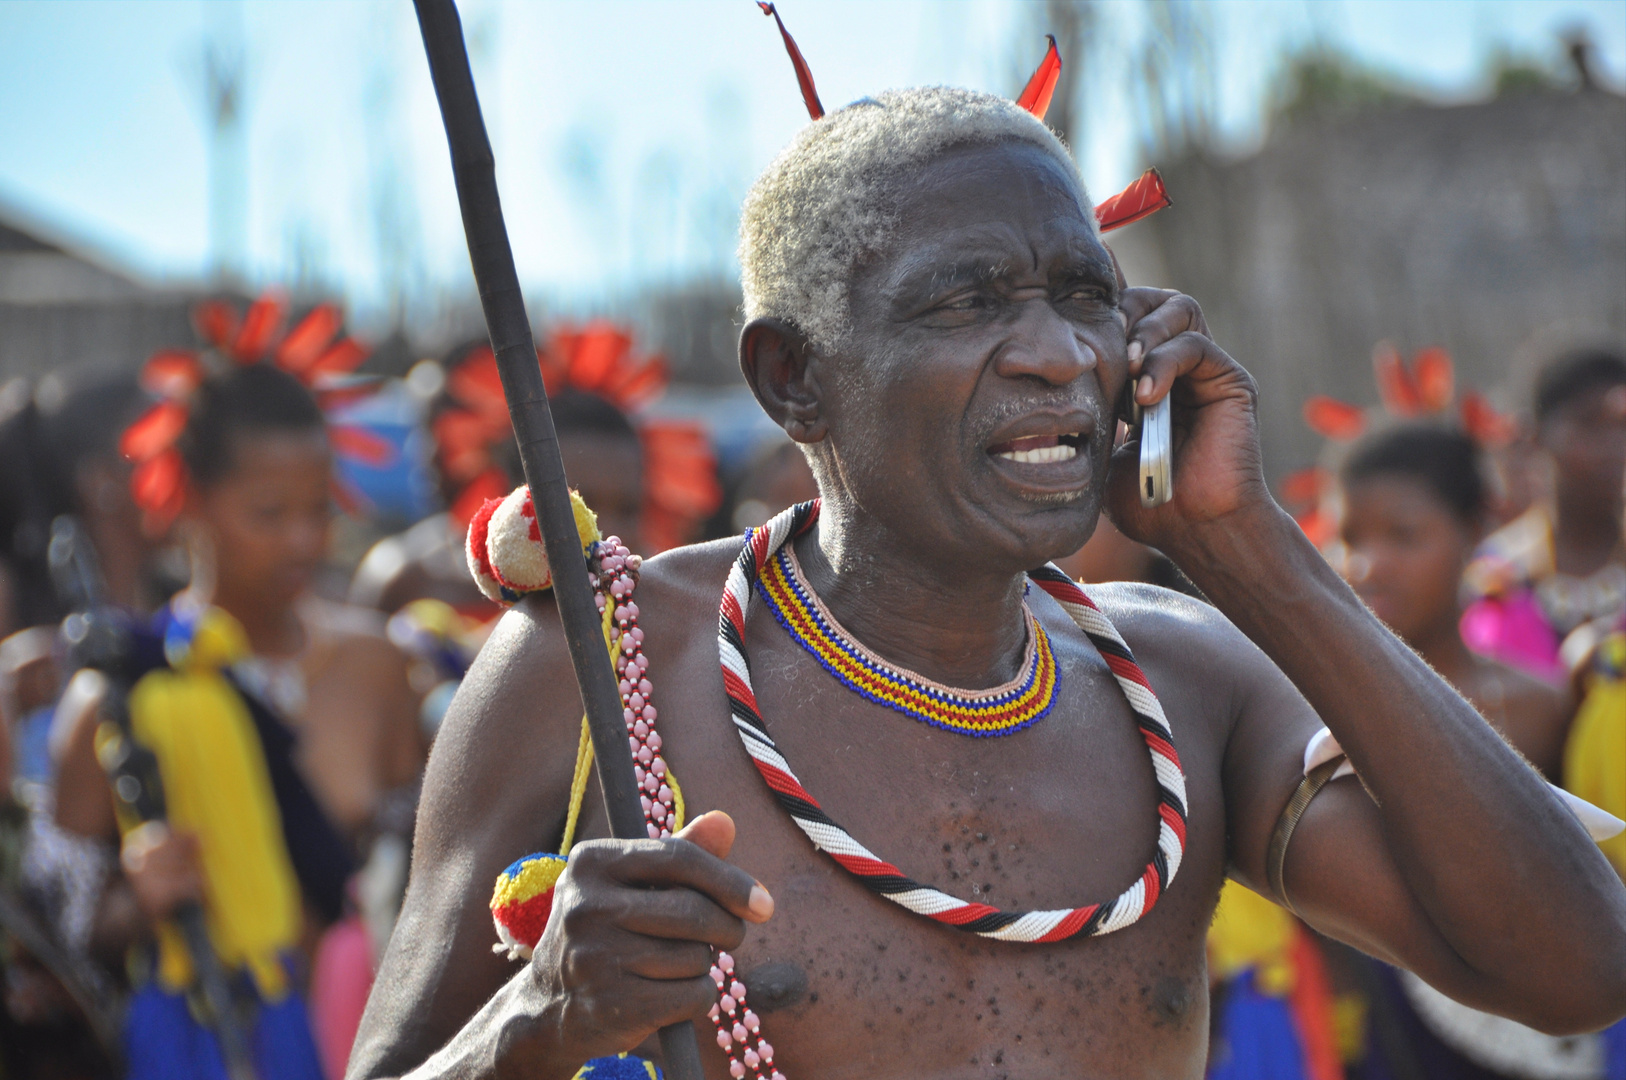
column 617, row 579
column 737, row 1024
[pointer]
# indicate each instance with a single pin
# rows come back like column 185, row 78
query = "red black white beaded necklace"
column 1091, row 920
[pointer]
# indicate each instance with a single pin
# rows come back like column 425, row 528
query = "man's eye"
column 969, row 302
column 1088, row 294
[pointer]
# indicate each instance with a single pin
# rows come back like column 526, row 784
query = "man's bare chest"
column 1058, row 815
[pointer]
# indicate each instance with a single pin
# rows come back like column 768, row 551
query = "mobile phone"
column 1155, row 430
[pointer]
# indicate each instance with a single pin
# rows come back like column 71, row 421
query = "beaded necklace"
column 1024, row 700
column 760, row 546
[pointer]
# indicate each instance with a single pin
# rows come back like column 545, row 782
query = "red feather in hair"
column 1305, row 486
column 172, row 373
column 1036, row 95
column 1435, row 378
column 305, row 342
column 307, row 352
column 154, row 431
column 804, row 74
column 1423, row 387
column 1334, row 419
column 259, row 329
column 1484, row 424
column 1142, row 198
column 216, row 323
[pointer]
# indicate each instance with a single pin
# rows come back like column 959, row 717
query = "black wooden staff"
column 474, row 170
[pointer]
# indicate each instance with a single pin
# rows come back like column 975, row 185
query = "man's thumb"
column 712, row 831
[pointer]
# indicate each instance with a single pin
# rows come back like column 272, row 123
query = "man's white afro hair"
column 825, row 204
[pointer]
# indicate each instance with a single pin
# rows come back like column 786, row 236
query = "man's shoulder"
column 1156, row 615
column 674, row 588
column 522, row 681
column 687, row 579
column 1174, row 633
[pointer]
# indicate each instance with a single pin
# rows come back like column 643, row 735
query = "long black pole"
column 474, row 169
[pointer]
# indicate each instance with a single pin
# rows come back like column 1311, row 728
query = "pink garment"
column 1514, row 630
column 341, row 978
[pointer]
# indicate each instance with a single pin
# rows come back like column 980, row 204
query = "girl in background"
column 1415, row 507
column 280, row 723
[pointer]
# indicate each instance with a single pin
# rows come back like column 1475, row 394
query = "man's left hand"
column 1217, row 469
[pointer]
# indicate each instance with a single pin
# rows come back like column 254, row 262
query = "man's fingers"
column 682, row 914
column 680, row 864
column 695, row 1001
column 1139, row 302
column 669, row 960
column 1173, row 314
column 1170, row 361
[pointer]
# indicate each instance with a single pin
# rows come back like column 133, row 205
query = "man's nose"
column 1044, row 345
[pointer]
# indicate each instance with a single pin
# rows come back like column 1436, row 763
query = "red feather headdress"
column 680, row 471
column 1424, row 387
column 313, row 352
column 1145, row 196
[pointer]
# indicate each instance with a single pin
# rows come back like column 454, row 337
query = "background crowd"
column 268, row 509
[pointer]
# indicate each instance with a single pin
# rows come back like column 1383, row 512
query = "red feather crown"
column 313, row 351
column 1145, row 196
column 1423, row 387
column 680, row 471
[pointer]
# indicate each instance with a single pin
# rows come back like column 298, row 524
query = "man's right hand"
column 628, row 947
column 162, row 868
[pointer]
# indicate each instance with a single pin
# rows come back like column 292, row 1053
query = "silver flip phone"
column 1155, row 430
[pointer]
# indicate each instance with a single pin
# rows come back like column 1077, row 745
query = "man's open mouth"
column 1039, row 449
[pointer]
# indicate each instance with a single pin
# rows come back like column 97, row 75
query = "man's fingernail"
column 761, row 904
column 1134, row 351
column 1144, row 387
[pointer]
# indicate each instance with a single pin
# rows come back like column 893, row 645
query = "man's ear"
column 782, row 370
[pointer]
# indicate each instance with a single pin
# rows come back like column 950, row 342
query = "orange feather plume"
column 308, row 352
column 1423, row 387
column 1484, row 424
column 680, row 471
column 1334, row 419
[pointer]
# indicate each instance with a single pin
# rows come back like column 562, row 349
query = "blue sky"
column 625, row 131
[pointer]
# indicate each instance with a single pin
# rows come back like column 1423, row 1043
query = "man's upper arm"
column 1264, row 756
column 495, row 790
column 1339, row 873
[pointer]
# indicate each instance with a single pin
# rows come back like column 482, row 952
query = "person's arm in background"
column 158, row 868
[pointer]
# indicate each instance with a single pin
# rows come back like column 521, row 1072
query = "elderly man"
column 933, row 317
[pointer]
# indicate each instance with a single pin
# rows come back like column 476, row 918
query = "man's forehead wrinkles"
column 991, row 245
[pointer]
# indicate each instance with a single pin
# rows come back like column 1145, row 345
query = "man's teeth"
column 1042, row 455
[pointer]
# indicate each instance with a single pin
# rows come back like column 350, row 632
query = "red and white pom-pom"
column 504, row 546
column 474, row 549
column 514, row 545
